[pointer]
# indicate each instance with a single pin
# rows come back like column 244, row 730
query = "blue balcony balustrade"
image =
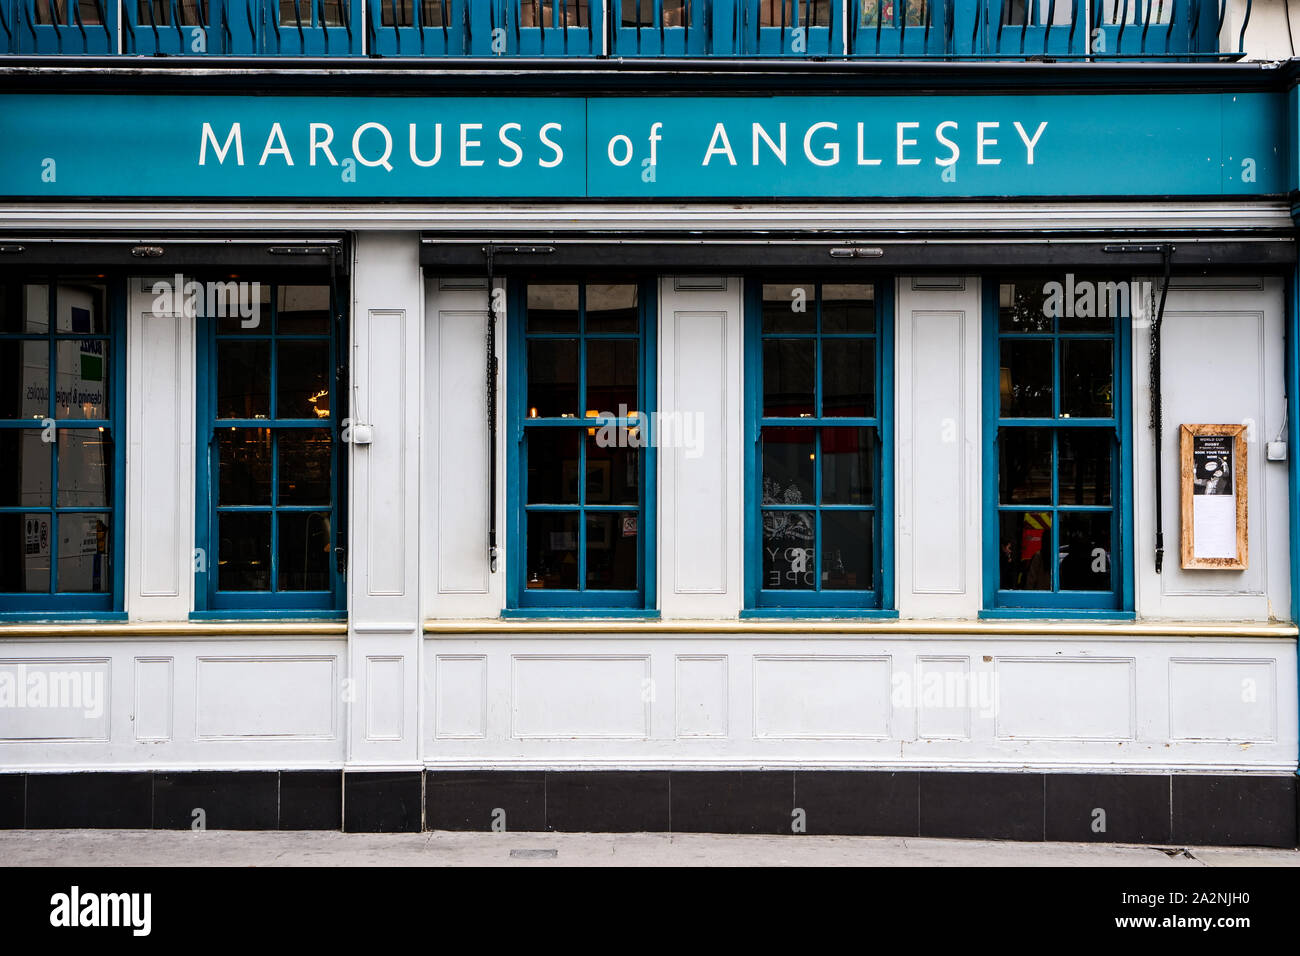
column 778, row 29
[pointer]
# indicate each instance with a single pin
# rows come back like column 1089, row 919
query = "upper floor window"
column 61, row 370
column 403, row 13
column 795, row 13
column 581, row 392
column 1057, row 444
column 818, row 445
column 554, row 13
column 655, row 13
column 270, row 464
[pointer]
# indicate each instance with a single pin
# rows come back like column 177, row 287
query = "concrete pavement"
column 88, row 848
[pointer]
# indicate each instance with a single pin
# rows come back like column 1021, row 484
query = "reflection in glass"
column 848, row 378
column 302, row 310
column 848, row 308
column 847, row 550
column 848, row 466
column 25, row 476
column 612, row 375
column 85, row 468
column 1025, row 379
column 1025, row 466
column 612, row 547
column 552, row 549
column 25, row 540
column 552, row 378
column 243, row 379
column 81, row 308
column 243, row 466
column 789, row 376
column 83, row 543
column 1024, row 550
column 788, row 550
column 611, row 308
column 304, row 546
column 1087, row 378
column 24, row 378
column 304, row 472
column 789, row 459
column 790, row 307
column 1085, row 551
column 81, row 389
column 552, row 308
column 1084, row 466
column 303, row 379
column 244, row 551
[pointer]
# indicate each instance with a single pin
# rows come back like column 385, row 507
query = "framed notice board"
column 1213, row 472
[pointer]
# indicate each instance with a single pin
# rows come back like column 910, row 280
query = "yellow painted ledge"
column 495, row 626
column 179, row 629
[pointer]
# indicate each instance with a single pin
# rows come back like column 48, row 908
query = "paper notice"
column 1214, row 526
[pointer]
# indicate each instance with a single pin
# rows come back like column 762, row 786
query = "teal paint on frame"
column 845, row 147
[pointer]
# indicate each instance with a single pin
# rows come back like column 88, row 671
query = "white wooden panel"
column 385, row 697
column 159, row 520
column 701, row 696
column 152, row 710
column 942, row 694
column 937, row 388
column 55, row 699
column 822, row 696
column 462, row 453
column 461, row 696
column 265, row 697
column 700, row 516
column 1084, row 698
column 572, row 696
column 387, row 395
column 1223, row 700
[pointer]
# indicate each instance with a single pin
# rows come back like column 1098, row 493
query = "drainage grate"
column 533, row 854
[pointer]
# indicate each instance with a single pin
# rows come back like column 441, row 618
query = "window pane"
column 847, row 554
column 788, row 541
column 395, row 13
column 613, row 474
column 25, row 476
column 85, row 468
column 1023, row 307
column 82, row 388
column 1025, row 549
column 303, row 310
column 244, row 551
column 295, row 13
column 303, row 380
column 1085, row 551
column 789, row 457
column 848, row 308
column 789, row 367
column 552, row 378
column 553, row 13
column 89, row 11
column 83, row 554
column 611, row 308
column 552, row 466
column 1087, row 378
column 304, row 544
column 1084, row 456
column 790, row 308
column 611, row 375
column 25, row 553
column 1095, row 305
column 788, row 13
column 240, row 308
column 24, row 308
column 612, row 548
column 24, row 378
column 243, row 379
column 304, row 474
column 552, row 544
column 1025, row 379
column 435, row 13
column 552, row 308
column 243, row 466
column 848, row 466
column 849, row 378
column 1025, row 466
column 81, row 308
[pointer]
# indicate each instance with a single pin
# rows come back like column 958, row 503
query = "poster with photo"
column 1213, row 475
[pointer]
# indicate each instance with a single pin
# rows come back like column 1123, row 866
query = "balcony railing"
column 830, row 29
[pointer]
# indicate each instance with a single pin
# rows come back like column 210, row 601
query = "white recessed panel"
column 151, row 713
column 821, row 696
column 54, row 699
column 460, row 703
column 701, row 705
column 599, row 696
column 945, row 694
column 385, row 697
column 1222, row 700
column 266, row 697
column 1065, row 699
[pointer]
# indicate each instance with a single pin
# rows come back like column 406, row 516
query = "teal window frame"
column 879, row 599
column 1118, row 601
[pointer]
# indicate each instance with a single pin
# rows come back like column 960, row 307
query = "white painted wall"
column 937, row 457
column 386, row 354
column 1222, row 358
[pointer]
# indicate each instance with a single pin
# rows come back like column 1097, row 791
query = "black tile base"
column 95, row 801
column 1234, row 810
column 13, row 787
column 216, row 801
column 608, row 801
column 732, row 801
column 864, row 804
column 311, row 800
column 1108, row 808
column 1178, row 809
column 500, row 800
column 383, row 801
column 984, row 806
